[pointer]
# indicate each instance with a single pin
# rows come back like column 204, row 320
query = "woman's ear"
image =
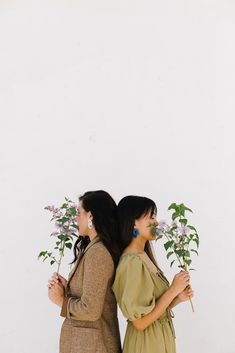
column 136, row 223
column 89, row 215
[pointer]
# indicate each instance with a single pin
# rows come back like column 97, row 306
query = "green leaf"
column 183, row 221
column 181, row 266
column 180, row 252
column 62, row 237
column 68, row 245
column 187, row 261
column 69, row 237
column 191, row 227
column 194, row 251
column 52, row 262
column 172, row 263
column 71, row 212
column 173, row 206
column 74, row 226
column 168, row 244
column 175, row 215
column 42, row 253
column 153, row 230
column 169, row 254
column 188, row 209
column 63, row 220
column 197, row 242
column 181, row 209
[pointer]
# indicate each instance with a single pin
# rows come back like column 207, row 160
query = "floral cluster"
column 66, row 230
column 181, row 237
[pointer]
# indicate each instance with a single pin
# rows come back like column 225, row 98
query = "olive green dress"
column 136, row 289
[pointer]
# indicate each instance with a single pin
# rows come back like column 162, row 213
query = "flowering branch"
column 181, row 237
column 66, row 229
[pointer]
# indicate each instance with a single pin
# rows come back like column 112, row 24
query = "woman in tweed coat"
column 86, row 299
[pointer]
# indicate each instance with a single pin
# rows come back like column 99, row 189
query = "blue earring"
column 135, row 232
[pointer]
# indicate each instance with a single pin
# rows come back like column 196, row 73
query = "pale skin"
column 179, row 290
column 57, row 283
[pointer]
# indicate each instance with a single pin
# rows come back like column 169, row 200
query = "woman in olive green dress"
column 143, row 293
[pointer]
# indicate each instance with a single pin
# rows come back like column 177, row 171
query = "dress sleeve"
column 133, row 288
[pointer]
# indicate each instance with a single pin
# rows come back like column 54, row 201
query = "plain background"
column 134, row 97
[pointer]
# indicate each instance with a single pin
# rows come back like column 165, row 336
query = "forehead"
column 80, row 206
column 149, row 214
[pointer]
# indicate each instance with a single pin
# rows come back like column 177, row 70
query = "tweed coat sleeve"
column 98, row 270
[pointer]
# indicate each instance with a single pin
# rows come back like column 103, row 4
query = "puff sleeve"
column 133, row 287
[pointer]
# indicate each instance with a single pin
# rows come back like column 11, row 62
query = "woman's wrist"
column 172, row 292
column 60, row 302
column 175, row 302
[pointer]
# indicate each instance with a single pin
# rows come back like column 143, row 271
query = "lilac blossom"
column 183, row 230
column 163, row 225
column 174, row 224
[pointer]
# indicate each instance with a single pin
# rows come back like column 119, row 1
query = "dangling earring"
column 89, row 224
column 135, row 232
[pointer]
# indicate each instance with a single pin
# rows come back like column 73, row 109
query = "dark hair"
column 131, row 208
column 104, row 212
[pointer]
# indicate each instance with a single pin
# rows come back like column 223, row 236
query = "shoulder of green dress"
column 129, row 260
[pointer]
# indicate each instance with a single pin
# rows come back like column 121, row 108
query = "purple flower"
column 54, row 234
column 50, row 208
column 59, row 226
column 163, row 225
column 174, row 224
column 73, row 205
column 68, row 231
column 159, row 231
column 183, row 230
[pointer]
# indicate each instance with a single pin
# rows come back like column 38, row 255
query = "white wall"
column 135, row 97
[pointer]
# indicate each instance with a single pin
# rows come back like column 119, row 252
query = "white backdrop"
column 134, row 97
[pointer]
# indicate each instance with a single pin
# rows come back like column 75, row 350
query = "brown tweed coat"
column 89, row 307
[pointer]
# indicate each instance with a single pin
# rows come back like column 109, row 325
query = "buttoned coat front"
column 89, row 307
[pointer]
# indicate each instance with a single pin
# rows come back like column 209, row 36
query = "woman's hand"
column 180, row 282
column 57, row 278
column 56, row 293
column 185, row 294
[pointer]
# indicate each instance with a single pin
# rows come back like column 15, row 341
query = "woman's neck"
column 137, row 245
column 92, row 234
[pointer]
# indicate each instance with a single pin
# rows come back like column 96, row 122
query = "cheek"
column 143, row 228
column 82, row 222
column 147, row 228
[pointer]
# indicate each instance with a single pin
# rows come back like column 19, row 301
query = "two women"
column 87, row 299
